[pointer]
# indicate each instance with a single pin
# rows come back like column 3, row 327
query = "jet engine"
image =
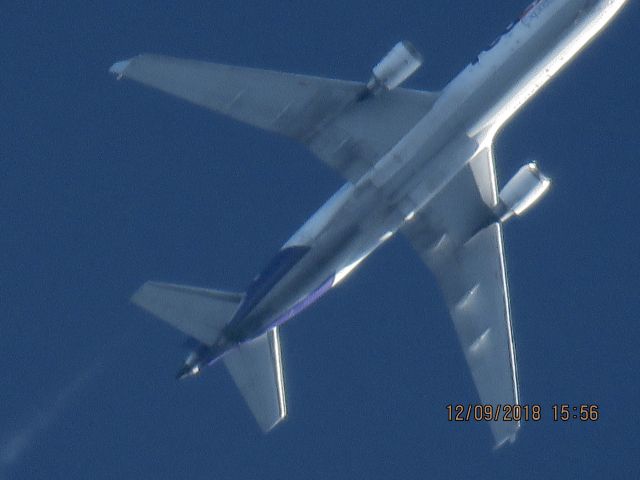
column 396, row 66
column 524, row 189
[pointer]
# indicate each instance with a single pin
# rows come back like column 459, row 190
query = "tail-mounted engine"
column 397, row 65
column 524, row 189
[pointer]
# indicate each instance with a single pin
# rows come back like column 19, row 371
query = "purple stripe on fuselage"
column 277, row 268
column 305, row 302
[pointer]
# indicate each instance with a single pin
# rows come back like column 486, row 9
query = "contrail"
column 15, row 445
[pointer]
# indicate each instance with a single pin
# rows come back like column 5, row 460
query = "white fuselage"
column 469, row 112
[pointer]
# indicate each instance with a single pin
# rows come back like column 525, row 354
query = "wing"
column 456, row 236
column 256, row 368
column 346, row 131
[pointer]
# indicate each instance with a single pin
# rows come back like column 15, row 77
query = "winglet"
column 118, row 68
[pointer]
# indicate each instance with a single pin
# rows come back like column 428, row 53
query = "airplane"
column 415, row 162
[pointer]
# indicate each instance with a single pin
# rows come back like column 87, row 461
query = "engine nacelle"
column 397, row 65
column 524, row 189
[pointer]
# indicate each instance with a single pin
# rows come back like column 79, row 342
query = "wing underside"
column 329, row 116
column 456, row 236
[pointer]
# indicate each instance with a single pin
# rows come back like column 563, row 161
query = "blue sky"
column 106, row 185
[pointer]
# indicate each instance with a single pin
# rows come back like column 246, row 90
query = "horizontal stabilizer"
column 256, row 368
column 198, row 312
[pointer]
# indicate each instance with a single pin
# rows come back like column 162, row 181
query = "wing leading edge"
column 456, row 237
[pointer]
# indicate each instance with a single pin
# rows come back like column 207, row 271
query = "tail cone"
column 188, row 371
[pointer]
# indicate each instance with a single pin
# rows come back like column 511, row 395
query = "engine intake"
column 396, row 66
column 524, row 189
